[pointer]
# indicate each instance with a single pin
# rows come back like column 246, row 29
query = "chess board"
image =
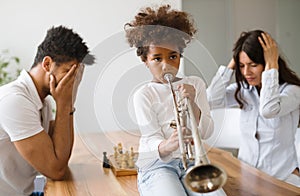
column 118, row 170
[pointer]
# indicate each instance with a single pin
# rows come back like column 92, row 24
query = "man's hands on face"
column 78, row 77
column 64, row 93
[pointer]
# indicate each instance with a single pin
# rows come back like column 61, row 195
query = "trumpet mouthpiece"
column 168, row 77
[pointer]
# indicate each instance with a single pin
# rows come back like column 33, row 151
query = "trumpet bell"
column 204, row 178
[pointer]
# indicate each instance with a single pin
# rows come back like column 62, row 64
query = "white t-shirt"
column 22, row 115
column 154, row 110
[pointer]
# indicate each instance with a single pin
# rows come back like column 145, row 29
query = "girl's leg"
column 160, row 182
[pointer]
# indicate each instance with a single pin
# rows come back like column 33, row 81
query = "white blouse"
column 268, row 121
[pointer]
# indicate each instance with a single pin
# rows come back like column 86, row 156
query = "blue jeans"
column 165, row 179
column 293, row 179
column 37, row 194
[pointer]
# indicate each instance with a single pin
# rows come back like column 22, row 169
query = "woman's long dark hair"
column 248, row 42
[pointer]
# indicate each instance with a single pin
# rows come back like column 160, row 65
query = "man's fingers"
column 79, row 73
column 52, row 83
column 70, row 76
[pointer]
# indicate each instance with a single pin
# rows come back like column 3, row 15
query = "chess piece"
column 130, row 162
column 118, row 159
column 124, row 163
column 120, row 148
column 126, row 155
column 131, row 152
column 105, row 161
column 115, row 152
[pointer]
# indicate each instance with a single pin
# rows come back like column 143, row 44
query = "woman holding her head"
column 268, row 93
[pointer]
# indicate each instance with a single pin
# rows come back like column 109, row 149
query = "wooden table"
column 86, row 175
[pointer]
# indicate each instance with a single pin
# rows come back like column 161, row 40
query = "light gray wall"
column 104, row 97
column 288, row 28
column 220, row 23
column 24, row 23
column 214, row 24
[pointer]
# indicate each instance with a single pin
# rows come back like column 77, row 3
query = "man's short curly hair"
column 163, row 25
column 63, row 45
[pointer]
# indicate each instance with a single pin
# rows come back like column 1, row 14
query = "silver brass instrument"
column 203, row 177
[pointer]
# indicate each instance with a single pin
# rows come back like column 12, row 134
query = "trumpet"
column 202, row 177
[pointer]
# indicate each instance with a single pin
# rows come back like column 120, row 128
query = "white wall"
column 215, row 30
column 103, row 95
column 24, row 23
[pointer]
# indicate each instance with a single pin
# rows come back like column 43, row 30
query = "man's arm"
column 49, row 154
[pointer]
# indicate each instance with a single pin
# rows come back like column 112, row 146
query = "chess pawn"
column 131, row 152
column 115, row 152
column 120, row 148
column 130, row 162
column 119, row 158
column 124, row 164
column 126, row 155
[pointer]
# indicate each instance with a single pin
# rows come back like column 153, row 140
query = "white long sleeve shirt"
column 153, row 104
column 267, row 122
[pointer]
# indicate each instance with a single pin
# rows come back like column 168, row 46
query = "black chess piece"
column 105, row 161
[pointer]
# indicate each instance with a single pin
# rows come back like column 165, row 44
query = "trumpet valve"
column 173, row 124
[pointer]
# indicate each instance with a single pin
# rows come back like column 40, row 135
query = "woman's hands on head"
column 231, row 64
column 270, row 51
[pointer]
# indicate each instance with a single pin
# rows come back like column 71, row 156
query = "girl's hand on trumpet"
column 187, row 91
column 168, row 146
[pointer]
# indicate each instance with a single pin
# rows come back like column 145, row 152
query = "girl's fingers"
column 186, row 89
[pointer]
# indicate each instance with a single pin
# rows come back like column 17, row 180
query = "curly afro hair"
column 159, row 26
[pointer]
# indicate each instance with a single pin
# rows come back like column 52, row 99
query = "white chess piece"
column 131, row 162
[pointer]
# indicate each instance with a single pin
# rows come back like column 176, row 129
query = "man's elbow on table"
column 57, row 173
